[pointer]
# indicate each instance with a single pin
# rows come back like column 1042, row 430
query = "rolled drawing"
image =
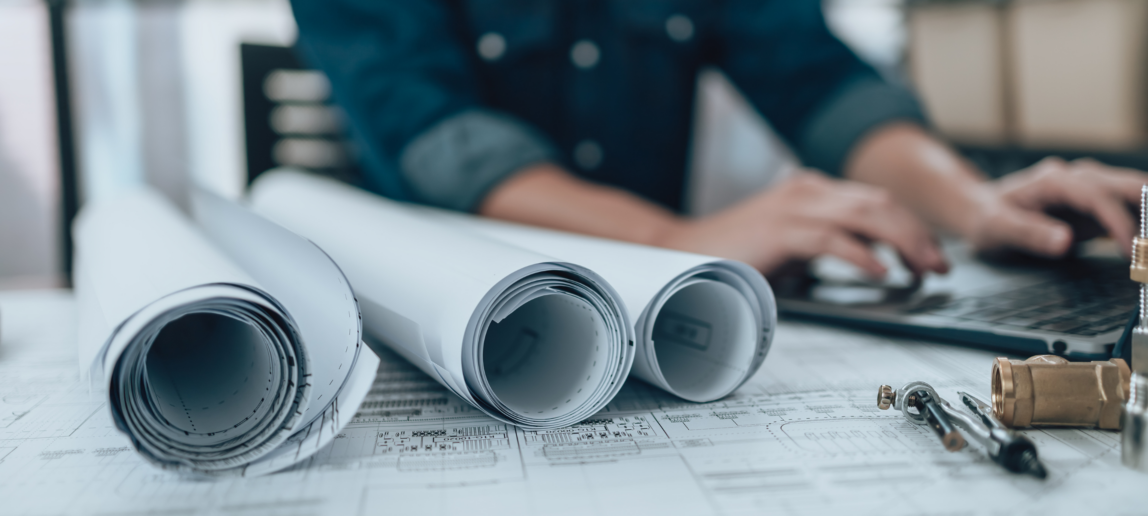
column 525, row 338
column 703, row 324
column 227, row 346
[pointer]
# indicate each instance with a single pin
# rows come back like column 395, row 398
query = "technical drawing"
column 785, row 443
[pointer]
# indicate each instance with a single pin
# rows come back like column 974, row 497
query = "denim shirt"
column 450, row 97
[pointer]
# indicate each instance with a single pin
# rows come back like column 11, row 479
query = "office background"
column 174, row 93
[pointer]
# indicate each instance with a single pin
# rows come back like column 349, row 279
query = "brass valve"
column 1047, row 390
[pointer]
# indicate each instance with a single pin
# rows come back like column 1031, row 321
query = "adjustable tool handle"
column 1005, row 447
column 938, row 420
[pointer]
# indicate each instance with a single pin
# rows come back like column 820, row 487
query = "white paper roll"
column 224, row 346
column 703, row 324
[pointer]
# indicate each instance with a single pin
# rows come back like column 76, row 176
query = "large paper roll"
column 703, row 324
column 226, row 347
column 527, row 339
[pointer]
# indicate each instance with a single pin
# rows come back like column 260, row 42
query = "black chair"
column 289, row 118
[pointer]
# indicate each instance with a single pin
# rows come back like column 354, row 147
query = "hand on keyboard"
column 1015, row 209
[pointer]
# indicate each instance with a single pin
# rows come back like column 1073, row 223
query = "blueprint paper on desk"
column 223, row 347
column 802, row 437
column 703, row 324
column 523, row 337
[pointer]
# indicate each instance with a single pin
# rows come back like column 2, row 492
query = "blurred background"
column 97, row 95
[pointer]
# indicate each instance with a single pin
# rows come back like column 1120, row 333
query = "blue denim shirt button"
column 491, row 46
column 585, row 54
column 680, row 28
column 588, row 154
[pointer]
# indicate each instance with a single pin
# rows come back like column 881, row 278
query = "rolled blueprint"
column 703, row 324
column 525, row 338
column 226, row 347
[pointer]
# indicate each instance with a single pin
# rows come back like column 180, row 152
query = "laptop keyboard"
column 1086, row 305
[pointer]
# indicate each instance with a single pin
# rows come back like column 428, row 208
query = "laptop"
column 1076, row 307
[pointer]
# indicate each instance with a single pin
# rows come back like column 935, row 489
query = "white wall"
column 157, row 99
column 212, row 31
column 102, row 48
column 158, row 91
column 29, row 177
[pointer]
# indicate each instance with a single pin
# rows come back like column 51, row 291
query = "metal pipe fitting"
column 1134, row 418
column 1047, row 390
column 1138, row 271
column 1134, row 453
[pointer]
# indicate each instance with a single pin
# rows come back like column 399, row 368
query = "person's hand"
column 1013, row 211
column 807, row 216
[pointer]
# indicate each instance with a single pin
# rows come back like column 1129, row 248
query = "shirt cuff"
column 841, row 123
column 456, row 162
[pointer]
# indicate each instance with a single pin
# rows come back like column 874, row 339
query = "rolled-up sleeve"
column 457, row 162
column 811, row 87
column 406, row 82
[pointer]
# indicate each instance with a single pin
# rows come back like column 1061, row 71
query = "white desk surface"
column 802, row 437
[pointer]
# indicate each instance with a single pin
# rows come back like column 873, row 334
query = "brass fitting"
column 1048, row 390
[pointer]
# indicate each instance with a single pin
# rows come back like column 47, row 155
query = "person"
column 576, row 115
